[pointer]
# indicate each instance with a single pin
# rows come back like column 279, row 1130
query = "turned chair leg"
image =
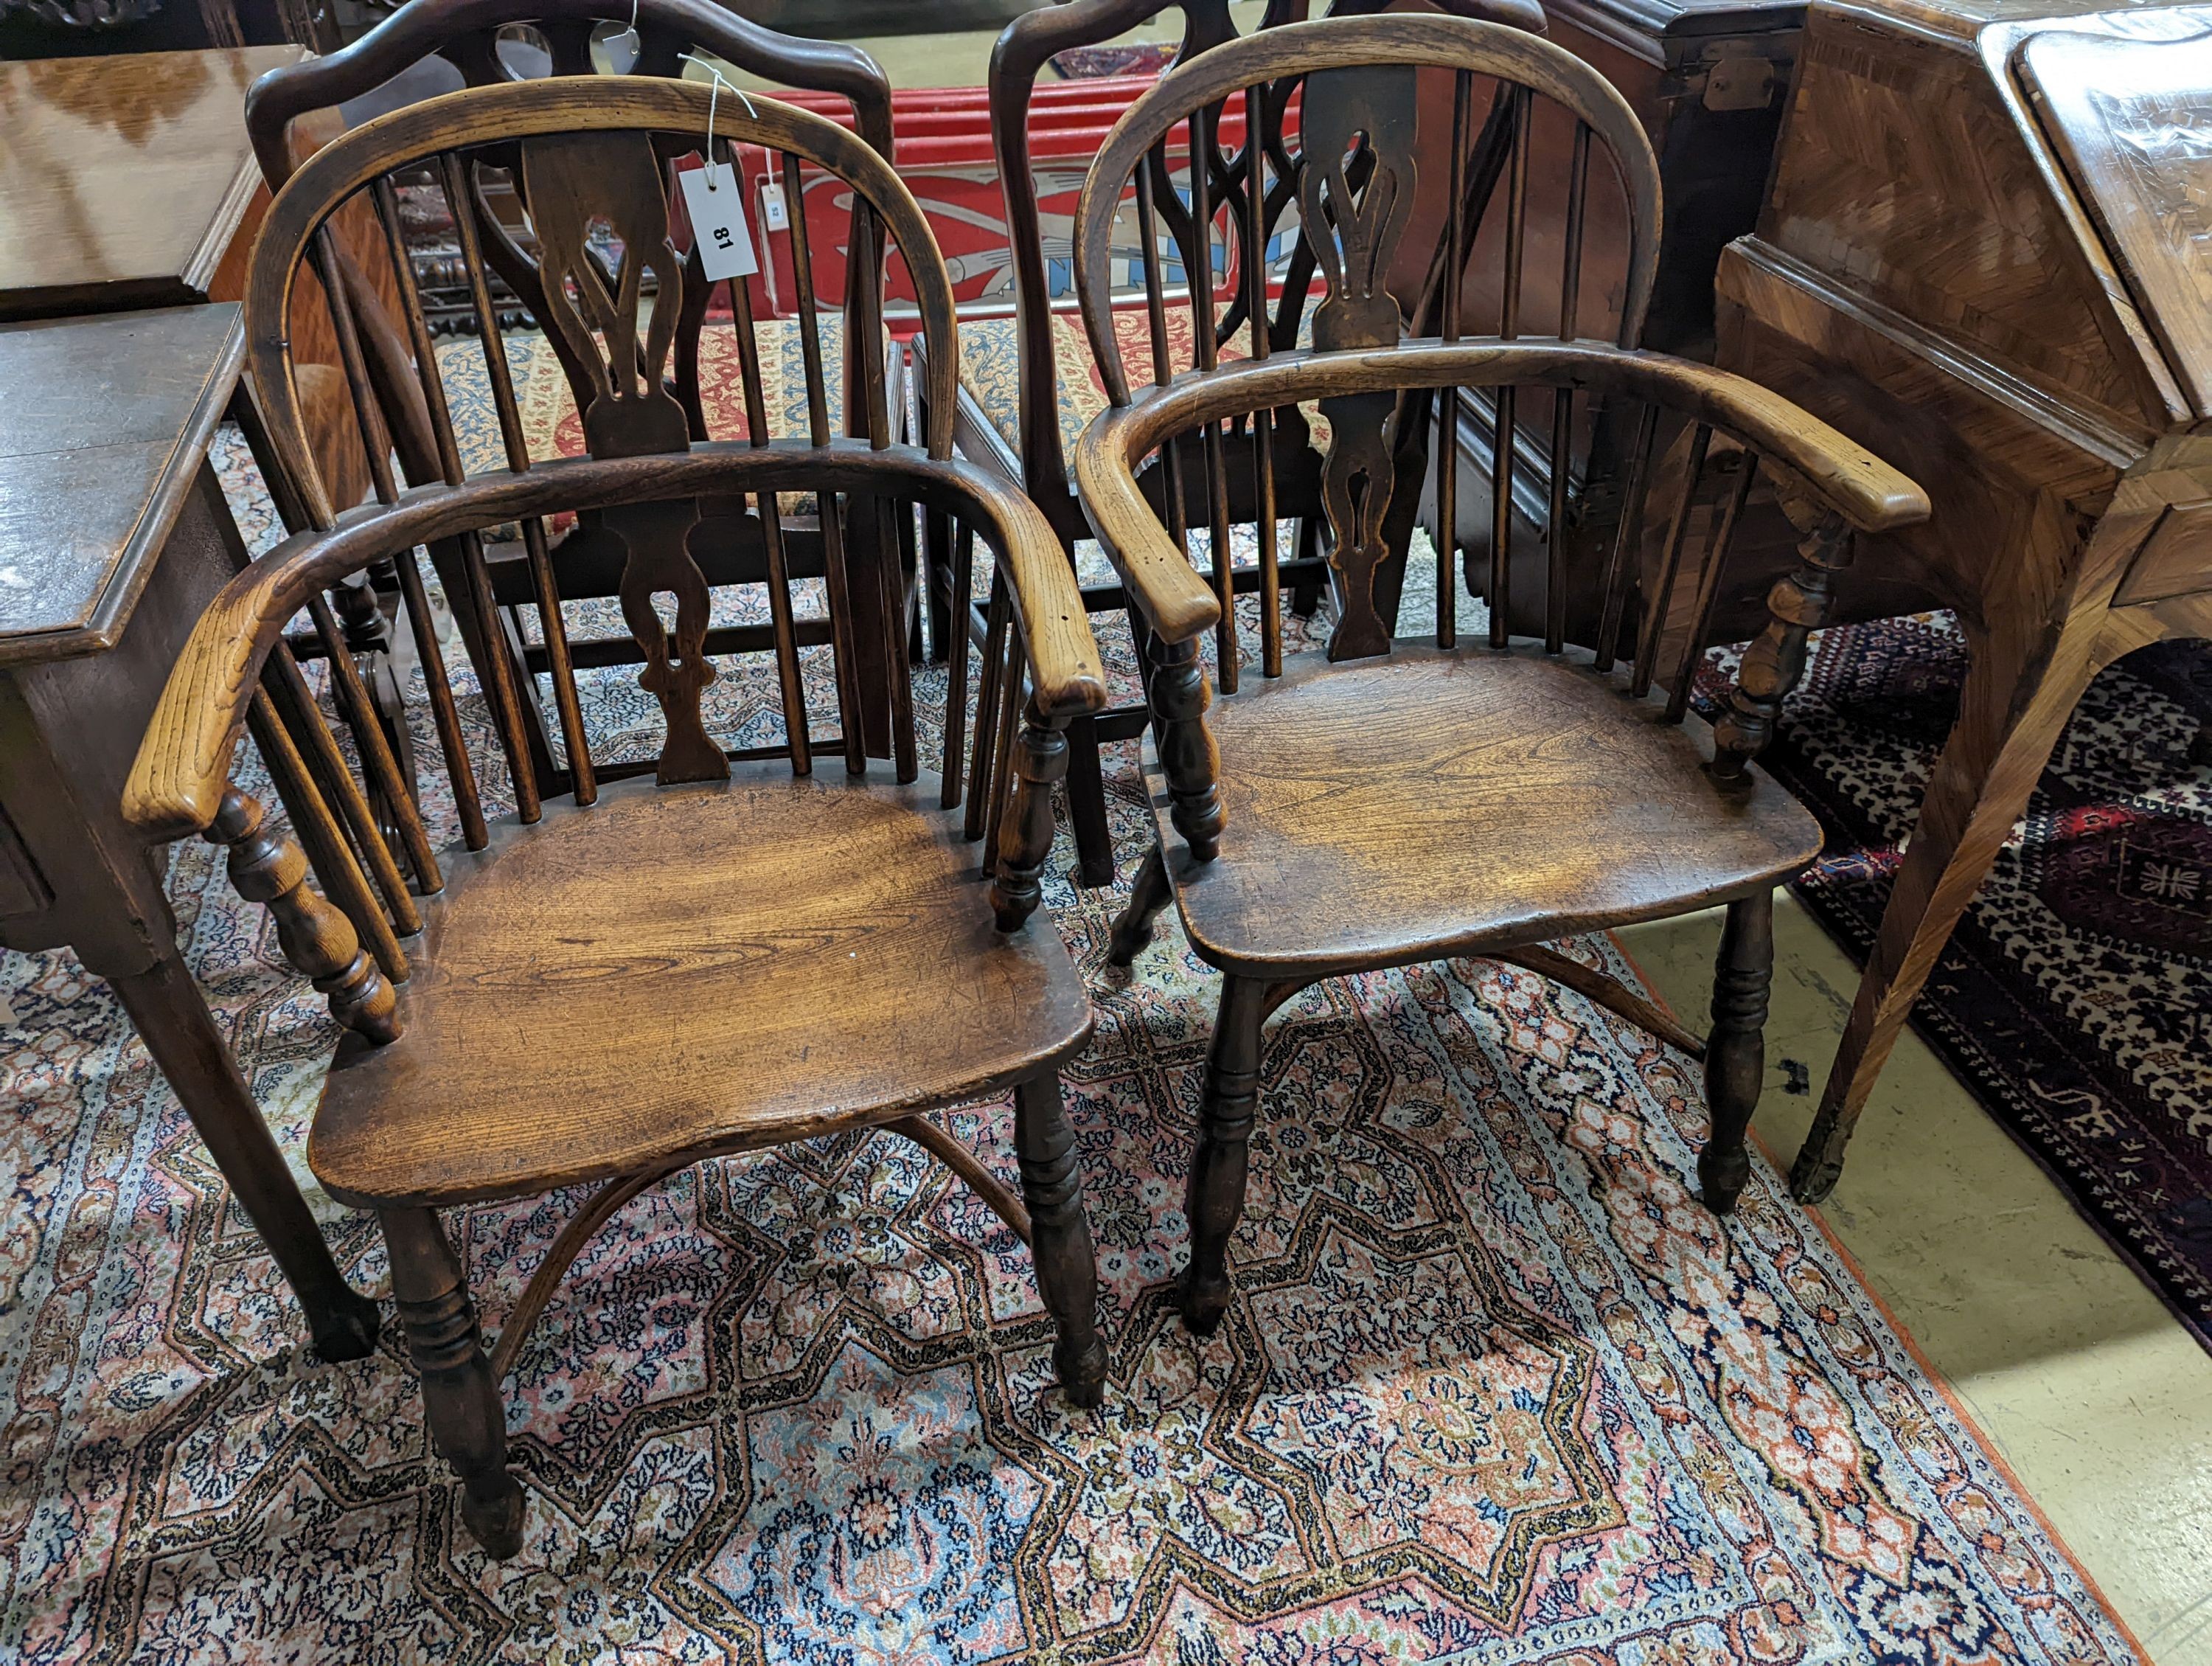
column 460, row 1396
column 1067, row 1265
column 2200, row 745
column 1735, row 1050
column 1214, row 1197
column 1132, row 928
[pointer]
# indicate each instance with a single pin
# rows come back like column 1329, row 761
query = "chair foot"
column 346, row 1330
column 1820, row 1162
column 1060, row 1242
column 1133, row 928
column 492, row 1510
column 1214, row 1196
column 1735, row 1051
column 1202, row 1301
column 2200, row 746
column 461, row 1397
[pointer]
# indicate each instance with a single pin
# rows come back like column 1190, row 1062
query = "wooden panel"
column 2176, row 559
column 2131, row 119
column 1903, row 175
column 102, row 424
column 123, row 179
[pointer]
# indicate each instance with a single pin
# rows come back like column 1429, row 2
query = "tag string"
column 713, row 98
column 636, row 43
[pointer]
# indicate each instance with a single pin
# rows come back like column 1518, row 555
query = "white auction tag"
column 773, row 215
column 717, row 209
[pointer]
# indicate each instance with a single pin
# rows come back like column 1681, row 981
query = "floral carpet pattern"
column 1496, row 1388
column 2075, row 999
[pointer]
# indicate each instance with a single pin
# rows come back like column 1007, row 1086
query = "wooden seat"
column 1387, row 801
column 745, row 950
column 687, row 1020
column 1443, row 801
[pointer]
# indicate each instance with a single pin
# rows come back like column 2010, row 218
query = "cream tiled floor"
column 2099, row 1402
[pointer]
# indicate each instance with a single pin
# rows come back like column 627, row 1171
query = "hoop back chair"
column 731, row 955
column 1430, row 800
column 380, row 359
column 1025, row 393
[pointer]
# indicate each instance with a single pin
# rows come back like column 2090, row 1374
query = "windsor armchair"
column 1027, row 386
column 732, row 954
column 380, row 360
column 1423, row 799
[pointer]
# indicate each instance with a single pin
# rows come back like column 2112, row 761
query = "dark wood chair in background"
column 467, row 34
column 1023, row 427
column 734, row 955
column 1422, row 800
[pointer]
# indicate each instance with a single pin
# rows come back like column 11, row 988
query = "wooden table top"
column 104, row 425
column 123, row 179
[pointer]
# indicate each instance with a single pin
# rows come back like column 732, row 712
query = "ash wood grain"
column 1393, row 798
column 796, row 896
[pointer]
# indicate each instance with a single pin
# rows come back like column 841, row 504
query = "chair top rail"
column 429, row 28
column 1419, row 41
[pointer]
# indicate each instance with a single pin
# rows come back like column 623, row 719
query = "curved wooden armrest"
column 176, row 784
column 1851, row 480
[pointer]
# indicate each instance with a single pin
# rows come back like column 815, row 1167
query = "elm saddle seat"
column 1445, row 801
column 535, row 967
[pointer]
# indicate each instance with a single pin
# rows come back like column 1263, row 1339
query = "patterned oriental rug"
column 1496, row 1387
column 2075, row 1000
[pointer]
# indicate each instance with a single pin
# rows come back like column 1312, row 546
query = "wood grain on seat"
column 1439, row 802
column 682, row 1011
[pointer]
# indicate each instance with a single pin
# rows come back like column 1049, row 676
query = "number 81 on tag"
column 715, row 205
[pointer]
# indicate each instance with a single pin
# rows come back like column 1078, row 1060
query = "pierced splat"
column 576, row 180
column 1359, row 125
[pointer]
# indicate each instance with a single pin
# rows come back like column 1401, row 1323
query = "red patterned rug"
column 2075, row 1000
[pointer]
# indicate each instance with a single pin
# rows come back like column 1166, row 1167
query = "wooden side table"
column 114, row 536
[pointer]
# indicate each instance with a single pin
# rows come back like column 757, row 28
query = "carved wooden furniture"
column 1023, row 431
column 589, row 558
column 1419, row 799
column 115, row 535
column 1709, row 79
column 611, row 989
column 1986, row 249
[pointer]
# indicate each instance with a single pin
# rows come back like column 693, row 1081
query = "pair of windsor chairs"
column 739, row 953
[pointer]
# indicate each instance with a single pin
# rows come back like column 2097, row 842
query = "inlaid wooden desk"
column 1986, row 255
column 113, row 535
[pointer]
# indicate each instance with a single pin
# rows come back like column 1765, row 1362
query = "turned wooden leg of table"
column 2018, row 696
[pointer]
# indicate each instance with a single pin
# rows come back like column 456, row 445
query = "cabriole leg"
column 461, row 1397
column 1067, row 1265
column 1213, row 1198
column 1735, row 1051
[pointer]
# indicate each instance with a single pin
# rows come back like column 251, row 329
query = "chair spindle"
column 1709, row 588
column 1670, row 563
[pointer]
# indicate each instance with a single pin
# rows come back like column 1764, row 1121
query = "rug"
column 2075, row 1000
column 1495, row 1388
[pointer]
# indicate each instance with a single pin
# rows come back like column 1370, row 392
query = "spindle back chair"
column 1426, row 800
column 607, row 989
column 380, row 354
column 1191, row 177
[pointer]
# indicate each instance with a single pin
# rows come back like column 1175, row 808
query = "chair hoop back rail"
column 1217, row 169
column 1433, row 801
column 428, row 1104
column 380, row 356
